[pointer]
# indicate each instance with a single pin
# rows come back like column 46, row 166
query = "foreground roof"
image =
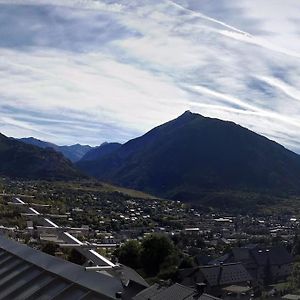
column 26, row 273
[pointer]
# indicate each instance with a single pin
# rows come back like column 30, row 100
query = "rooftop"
column 26, row 272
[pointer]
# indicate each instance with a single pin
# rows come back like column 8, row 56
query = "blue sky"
column 92, row 71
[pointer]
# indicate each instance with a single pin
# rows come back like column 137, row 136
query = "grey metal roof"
column 26, row 273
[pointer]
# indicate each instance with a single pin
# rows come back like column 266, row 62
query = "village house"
column 216, row 278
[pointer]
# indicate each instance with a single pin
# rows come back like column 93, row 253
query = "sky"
column 88, row 71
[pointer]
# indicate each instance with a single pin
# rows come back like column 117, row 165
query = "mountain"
column 99, row 152
column 74, row 152
column 21, row 160
column 191, row 154
column 38, row 143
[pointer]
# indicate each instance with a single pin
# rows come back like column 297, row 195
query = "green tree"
column 155, row 249
column 50, row 248
column 169, row 267
column 129, row 254
column 186, row 262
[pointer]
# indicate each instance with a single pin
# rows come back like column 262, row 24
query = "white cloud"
column 89, row 71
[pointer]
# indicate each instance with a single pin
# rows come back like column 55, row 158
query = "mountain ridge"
column 24, row 161
column 192, row 153
column 73, row 152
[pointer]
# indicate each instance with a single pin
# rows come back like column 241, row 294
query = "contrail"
column 282, row 86
column 202, row 16
column 233, row 100
column 238, row 34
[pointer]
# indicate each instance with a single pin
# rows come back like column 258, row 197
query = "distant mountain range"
column 74, row 152
column 191, row 154
column 21, row 160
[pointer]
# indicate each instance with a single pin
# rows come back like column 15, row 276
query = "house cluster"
column 241, row 274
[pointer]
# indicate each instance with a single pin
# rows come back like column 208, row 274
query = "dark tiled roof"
column 174, row 292
column 225, row 274
column 29, row 273
column 214, row 275
column 150, row 292
column 277, row 255
column 273, row 256
column 222, row 259
column 208, row 297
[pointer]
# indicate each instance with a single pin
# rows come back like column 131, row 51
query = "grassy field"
column 96, row 186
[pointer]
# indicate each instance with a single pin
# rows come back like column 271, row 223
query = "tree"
column 169, row 267
column 129, row 254
column 155, row 249
column 50, row 248
column 186, row 262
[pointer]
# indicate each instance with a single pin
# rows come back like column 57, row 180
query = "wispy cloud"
column 89, row 71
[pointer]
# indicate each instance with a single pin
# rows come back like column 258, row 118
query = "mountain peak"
column 187, row 112
column 189, row 115
column 185, row 118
